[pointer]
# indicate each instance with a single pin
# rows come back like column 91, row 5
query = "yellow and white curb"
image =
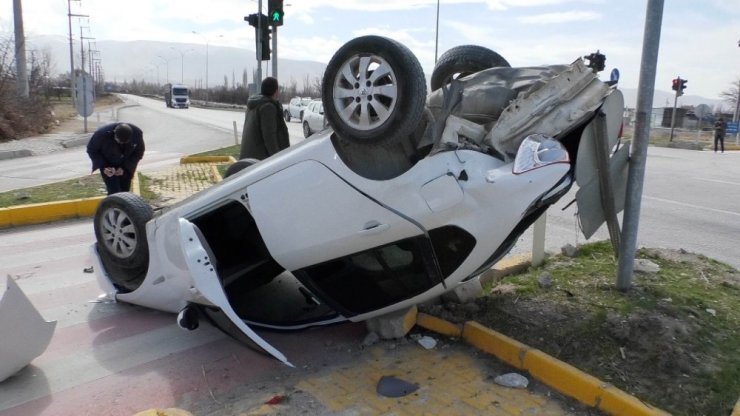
column 85, row 207
column 558, row 375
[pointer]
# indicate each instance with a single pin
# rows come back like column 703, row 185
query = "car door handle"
column 374, row 228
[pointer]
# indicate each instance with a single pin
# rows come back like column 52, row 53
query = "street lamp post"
column 167, row 68
column 207, row 41
column 182, row 63
column 436, row 35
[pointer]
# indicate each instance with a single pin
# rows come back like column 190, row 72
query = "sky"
column 699, row 39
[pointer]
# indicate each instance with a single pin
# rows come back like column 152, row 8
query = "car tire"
column 388, row 106
column 238, row 166
column 300, row 116
column 464, row 60
column 306, row 129
column 286, row 114
column 120, row 231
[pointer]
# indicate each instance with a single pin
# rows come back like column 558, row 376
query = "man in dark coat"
column 265, row 132
column 116, row 150
column 719, row 134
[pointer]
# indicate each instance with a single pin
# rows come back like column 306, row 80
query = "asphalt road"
column 690, row 200
column 168, row 134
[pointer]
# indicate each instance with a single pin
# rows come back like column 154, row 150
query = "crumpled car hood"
column 510, row 103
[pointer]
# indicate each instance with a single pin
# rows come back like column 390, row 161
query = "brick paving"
column 179, row 182
column 450, row 383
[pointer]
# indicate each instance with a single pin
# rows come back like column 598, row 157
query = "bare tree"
column 306, row 92
column 732, row 95
column 316, row 87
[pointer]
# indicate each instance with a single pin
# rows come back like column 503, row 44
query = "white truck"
column 176, row 96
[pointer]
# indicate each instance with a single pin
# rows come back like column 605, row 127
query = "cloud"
column 562, row 17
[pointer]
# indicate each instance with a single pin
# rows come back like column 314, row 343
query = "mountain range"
column 162, row 62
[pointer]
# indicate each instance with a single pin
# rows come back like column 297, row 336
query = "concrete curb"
column 13, row 154
column 80, row 208
column 557, row 374
column 48, row 212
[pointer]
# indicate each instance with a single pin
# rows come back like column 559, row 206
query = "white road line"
column 683, row 204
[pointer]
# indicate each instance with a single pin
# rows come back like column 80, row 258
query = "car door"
column 307, row 214
column 350, row 250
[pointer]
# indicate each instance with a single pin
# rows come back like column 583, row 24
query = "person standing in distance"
column 719, row 134
column 265, row 132
column 116, row 150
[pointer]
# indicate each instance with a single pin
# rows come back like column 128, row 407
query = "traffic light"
column 275, row 12
column 596, row 61
column 261, row 34
column 676, row 84
column 264, row 39
column 682, row 86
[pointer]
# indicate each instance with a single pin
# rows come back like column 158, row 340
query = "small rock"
column 370, row 339
column 471, row 307
column 569, row 251
column 712, row 312
column 20, row 196
column 427, row 342
column 545, row 280
column 391, row 386
column 645, row 266
column 512, row 380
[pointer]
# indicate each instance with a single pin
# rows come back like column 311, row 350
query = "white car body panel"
column 316, row 197
column 24, row 334
column 206, row 282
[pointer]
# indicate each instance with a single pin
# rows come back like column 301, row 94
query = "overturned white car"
column 403, row 198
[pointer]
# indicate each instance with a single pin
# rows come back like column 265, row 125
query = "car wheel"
column 238, row 166
column 120, row 232
column 464, row 60
column 373, row 91
column 300, row 115
column 286, row 114
column 306, row 129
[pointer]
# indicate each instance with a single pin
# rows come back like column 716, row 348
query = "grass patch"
column 672, row 340
column 84, row 187
column 232, row 151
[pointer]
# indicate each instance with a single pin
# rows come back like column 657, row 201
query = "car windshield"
column 305, row 101
column 180, row 91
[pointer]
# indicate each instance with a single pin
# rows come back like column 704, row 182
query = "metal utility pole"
column 436, row 35
column 636, row 177
column 20, row 50
column 274, row 53
column 259, row 43
column 71, row 50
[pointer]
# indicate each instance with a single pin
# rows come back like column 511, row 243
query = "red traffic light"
column 676, row 83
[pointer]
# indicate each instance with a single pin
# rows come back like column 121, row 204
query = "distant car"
column 313, row 118
column 295, row 108
column 372, row 215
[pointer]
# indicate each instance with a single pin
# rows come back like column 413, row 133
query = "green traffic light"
column 276, row 16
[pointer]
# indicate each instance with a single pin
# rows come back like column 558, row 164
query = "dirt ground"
column 65, row 114
column 675, row 349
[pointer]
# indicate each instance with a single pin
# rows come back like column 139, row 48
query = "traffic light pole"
column 274, row 52
column 258, row 37
column 673, row 117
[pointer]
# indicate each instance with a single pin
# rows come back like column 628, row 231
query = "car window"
column 305, row 101
column 388, row 274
